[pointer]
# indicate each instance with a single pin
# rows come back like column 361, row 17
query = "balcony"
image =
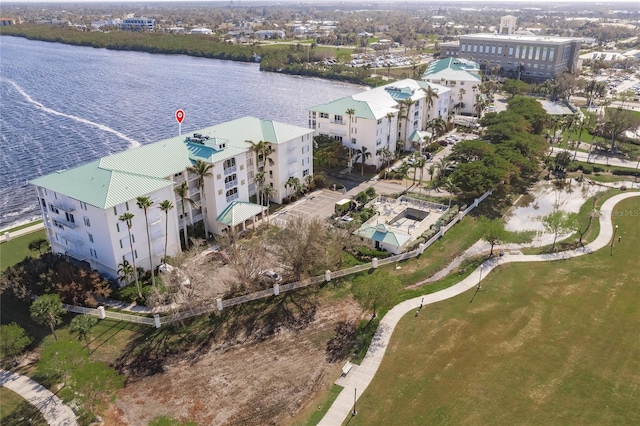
column 293, row 160
column 232, row 197
column 72, row 239
column 341, row 122
column 63, row 207
column 293, row 171
column 292, row 147
column 230, row 170
column 156, row 235
column 231, row 184
column 65, row 223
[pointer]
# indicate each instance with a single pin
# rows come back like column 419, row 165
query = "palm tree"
column 419, row 163
column 350, row 112
column 125, row 271
column 363, row 154
column 390, row 117
column 127, row 218
column 431, row 171
column 182, row 191
column 437, row 125
column 405, row 106
column 202, row 170
column 165, row 206
column 145, row 204
column 451, row 188
column 82, row 324
column 290, row 183
column 267, row 191
column 259, row 180
column 460, row 104
column 431, row 97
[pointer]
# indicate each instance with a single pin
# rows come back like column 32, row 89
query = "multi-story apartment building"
column 383, row 117
column 138, row 24
column 82, row 207
column 462, row 76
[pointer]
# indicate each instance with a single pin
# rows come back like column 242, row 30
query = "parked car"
column 272, row 275
column 443, row 142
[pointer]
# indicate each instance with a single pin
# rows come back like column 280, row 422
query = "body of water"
column 62, row 106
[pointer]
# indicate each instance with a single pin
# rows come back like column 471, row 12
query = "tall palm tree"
column 267, row 191
column 405, row 106
column 431, row 97
column 259, row 179
column 145, row 204
column 350, row 112
column 431, row 170
column 182, row 191
column 419, row 163
column 390, row 117
column 202, row 170
column 290, row 183
column 165, row 206
column 451, row 188
column 363, row 153
column 127, row 218
column 460, row 104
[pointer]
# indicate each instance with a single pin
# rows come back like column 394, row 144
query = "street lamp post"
column 480, row 279
column 613, row 239
column 354, row 412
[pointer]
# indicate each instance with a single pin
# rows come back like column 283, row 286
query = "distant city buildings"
column 82, row 207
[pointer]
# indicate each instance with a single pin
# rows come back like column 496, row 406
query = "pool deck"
column 389, row 209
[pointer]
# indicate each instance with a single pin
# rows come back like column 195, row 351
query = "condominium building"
column 138, row 24
column 383, row 117
column 82, row 207
column 462, row 76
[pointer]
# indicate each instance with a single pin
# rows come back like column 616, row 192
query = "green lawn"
column 15, row 250
column 15, row 410
column 542, row 343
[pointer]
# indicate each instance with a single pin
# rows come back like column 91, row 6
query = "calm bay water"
column 62, row 106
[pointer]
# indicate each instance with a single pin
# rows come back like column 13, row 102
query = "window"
column 133, row 238
column 313, row 114
column 90, row 237
column 43, row 203
column 135, row 252
column 353, row 141
column 115, row 211
column 229, row 162
column 271, row 174
column 566, row 52
column 337, row 118
column 53, row 209
column 499, row 49
column 126, row 205
column 481, row 50
column 552, row 53
column 232, row 194
column 544, row 53
column 379, row 142
column 87, row 222
column 305, row 173
column 493, row 49
column 69, row 217
column 537, row 57
column 231, row 179
column 118, row 227
column 94, row 254
column 324, row 115
column 337, row 138
column 531, row 53
column 121, row 245
column 83, row 205
column 510, row 50
column 517, row 52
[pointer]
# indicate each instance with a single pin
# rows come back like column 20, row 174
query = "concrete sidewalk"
column 24, row 231
column 51, row 407
column 358, row 380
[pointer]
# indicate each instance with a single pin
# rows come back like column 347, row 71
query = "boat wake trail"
column 132, row 142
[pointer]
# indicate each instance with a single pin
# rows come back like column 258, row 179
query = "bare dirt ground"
column 259, row 376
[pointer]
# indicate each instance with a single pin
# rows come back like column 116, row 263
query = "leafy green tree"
column 558, row 222
column 82, row 324
column 39, row 245
column 13, row 341
column 48, row 310
column 127, row 218
column 562, row 160
column 375, row 290
column 145, row 204
column 493, row 231
column 515, row 87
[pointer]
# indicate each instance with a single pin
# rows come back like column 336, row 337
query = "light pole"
column 480, row 279
column 354, row 412
column 613, row 239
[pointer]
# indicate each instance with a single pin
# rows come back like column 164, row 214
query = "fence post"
column 219, row 303
column 421, row 248
column 327, row 275
column 101, row 313
column 7, row 236
column 374, row 263
column 276, row 289
column 156, row 320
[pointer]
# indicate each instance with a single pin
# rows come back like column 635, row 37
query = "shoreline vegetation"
column 303, row 59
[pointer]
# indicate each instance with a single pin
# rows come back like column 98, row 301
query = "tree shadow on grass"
column 194, row 338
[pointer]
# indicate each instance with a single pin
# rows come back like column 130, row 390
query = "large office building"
column 82, row 207
column 519, row 55
column 383, row 117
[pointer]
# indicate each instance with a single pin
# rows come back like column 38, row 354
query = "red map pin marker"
column 179, row 116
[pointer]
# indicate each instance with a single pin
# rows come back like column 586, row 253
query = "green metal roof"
column 239, row 211
column 241, row 130
column 383, row 234
column 453, row 69
column 100, row 187
column 340, row 107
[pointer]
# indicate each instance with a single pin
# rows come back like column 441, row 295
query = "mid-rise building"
column 82, row 207
column 383, row 117
column 138, row 24
column 462, row 76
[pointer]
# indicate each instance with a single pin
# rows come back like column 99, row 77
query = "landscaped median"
column 537, row 341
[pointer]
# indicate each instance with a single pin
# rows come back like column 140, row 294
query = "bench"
column 346, row 368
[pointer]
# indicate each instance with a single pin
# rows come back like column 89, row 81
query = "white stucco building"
column 383, row 117
column 81, row 207
column 462, row 76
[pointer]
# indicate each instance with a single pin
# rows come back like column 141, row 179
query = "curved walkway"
column 51, row 407
column 360, row 376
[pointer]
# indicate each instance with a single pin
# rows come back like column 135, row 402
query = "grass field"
column 15, row 410
column 545, row 343
column 15, row 250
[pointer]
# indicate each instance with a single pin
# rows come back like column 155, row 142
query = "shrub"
column 623, row 172
column 598, row 169
column 371, row 192
column 414, row 244
column 367, row 253
column 319, row 181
